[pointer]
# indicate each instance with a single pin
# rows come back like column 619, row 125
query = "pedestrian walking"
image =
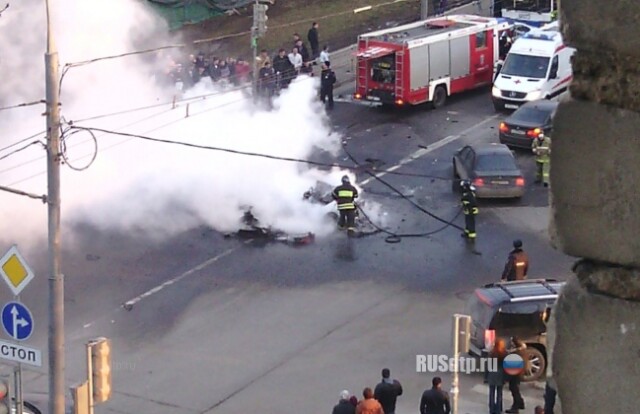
column 369, row 405
column 470, row 209
column 541, row 147
column 517, row 264
column 387, row 392
column 518, row 347
column 327, row 80
column 345, row 196
column 312, row 37
column 496, row 379
column 435, row 400
column 344, row 405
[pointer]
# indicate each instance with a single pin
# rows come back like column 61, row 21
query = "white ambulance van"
column 538, row 66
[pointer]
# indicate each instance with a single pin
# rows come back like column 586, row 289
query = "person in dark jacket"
column 283, row 68
column 327, row 80
column 344, row 405
column 517, row 264
column 496, row 378
column 517, row 347
column 312, row 37
column 267, row 81
column 387, row 392
column 306, row 58
column 435, row 401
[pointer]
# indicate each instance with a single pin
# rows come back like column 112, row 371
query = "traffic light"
column 260, row 18
column 101, row 369
column 5, row 397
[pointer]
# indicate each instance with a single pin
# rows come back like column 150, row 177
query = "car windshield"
column 495, row 162
column 382, row 69
column 525, row 66
column 533, row 115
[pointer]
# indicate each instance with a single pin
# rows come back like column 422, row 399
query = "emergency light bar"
column 540, row 36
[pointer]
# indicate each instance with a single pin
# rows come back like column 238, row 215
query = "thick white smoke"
column 144, row 186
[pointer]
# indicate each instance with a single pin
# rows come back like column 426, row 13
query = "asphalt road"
column 223, row 326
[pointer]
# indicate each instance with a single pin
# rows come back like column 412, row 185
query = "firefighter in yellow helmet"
column 541, row 147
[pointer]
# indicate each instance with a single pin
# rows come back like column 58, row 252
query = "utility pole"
column 258, row 30
column 424, row 9
column 254, row 47
column 56, row 282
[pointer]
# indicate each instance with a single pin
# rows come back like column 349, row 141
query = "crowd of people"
column 381, row 400
column 274, row 72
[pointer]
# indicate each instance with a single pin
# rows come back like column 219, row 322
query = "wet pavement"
column 219, row 325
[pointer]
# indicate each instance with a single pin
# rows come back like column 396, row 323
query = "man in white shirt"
column 296, row 59
column 324, row 55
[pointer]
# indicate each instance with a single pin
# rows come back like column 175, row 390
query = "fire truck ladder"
column 363, row 75
column 399, row 75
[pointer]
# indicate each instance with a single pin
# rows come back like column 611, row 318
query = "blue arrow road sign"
column 17, row 321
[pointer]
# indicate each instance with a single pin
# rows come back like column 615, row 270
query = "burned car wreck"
column 319, row 194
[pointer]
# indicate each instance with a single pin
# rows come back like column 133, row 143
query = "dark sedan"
column 525, row 124
column 491, row 168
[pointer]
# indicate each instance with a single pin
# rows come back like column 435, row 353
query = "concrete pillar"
column 595, row 214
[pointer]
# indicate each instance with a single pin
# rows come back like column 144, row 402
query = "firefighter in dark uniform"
column 345, row 196
column 470, row 209
column 517, row 264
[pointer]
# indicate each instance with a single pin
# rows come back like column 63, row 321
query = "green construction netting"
column 181, row 12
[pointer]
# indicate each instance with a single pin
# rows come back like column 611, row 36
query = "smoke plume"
column 135, row 185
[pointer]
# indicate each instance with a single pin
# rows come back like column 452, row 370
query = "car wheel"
column 537, row 364
column 439, row 97
column 455, row 171
column 498, row 106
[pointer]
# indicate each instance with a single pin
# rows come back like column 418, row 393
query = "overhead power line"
column 24, row 193
column 21, row 149
column 22, row 140
column 22, row 105
column 254, row 154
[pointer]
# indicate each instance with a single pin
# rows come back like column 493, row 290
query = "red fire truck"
column 428, row 60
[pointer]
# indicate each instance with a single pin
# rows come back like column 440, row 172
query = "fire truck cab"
column 428, row 60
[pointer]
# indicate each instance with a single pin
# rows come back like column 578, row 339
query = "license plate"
column 515, row 131
column 373, row 98
column 500, row 182
column 511, row 106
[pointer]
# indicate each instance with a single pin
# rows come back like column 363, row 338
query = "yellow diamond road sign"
column 15, row 270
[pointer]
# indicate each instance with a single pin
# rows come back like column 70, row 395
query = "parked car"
column 525, row 124
column 507, row 309
column 491, row 168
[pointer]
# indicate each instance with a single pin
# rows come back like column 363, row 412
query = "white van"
column 538, row 66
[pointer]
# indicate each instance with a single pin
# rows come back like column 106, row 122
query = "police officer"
column 541, row 147
column 327, row 80
column 517, row 264
column 345, row 196
column 470, row 208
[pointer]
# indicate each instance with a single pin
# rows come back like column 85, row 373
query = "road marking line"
column 424, row 151
column 178, row 278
